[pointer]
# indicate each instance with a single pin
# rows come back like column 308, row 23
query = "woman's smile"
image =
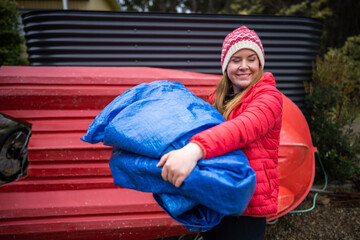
column 243, row 75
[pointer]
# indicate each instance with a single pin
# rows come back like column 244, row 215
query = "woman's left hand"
column 178, row 164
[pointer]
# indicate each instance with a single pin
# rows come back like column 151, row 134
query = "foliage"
column 310, row 8
column 333, row 102
column 345, row 22
column 174, row 6
column 247, row 7
column 340, row 18
column 10, row 39
column 316, row 9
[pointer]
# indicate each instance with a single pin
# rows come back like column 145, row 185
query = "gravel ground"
column 330, row 219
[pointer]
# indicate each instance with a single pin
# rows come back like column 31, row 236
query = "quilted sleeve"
column 260, row 115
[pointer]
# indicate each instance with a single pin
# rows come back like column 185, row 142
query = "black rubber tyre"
column 13, row 161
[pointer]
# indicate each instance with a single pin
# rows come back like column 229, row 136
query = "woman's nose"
column 243, row 65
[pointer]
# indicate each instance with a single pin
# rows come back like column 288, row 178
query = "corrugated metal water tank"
column 190, row 42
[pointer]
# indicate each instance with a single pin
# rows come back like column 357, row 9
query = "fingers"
column 164, row 173
column 179, row 181
column 163, row 160
column 175, row 179
column 176, row 166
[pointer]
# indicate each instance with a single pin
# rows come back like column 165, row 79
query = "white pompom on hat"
column 239, row 39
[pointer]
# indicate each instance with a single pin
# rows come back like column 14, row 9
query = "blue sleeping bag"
column 152, row 119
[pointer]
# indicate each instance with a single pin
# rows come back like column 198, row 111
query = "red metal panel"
column 65, row 214
column 85, row 87
column 34, row 184
column 69, row 193
column 69, row 203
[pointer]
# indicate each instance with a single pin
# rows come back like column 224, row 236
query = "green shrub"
column 11, row 40
column 332, row 99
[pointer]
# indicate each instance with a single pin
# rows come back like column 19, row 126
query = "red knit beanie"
column 239, row 39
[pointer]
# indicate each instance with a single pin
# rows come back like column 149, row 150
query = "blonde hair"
column 224, row 89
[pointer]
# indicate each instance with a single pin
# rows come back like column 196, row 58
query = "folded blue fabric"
column 151, row 119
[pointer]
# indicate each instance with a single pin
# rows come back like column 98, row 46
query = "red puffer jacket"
column 253, row 126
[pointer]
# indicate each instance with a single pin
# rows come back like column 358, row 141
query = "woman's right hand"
column 178, row 164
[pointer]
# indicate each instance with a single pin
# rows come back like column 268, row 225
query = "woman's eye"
column 252, row 59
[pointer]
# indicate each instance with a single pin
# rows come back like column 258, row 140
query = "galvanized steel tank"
column 189, row 42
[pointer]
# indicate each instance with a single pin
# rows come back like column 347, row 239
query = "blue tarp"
column 152, row 119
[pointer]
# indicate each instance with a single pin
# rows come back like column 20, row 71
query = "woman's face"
column 243, row 68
